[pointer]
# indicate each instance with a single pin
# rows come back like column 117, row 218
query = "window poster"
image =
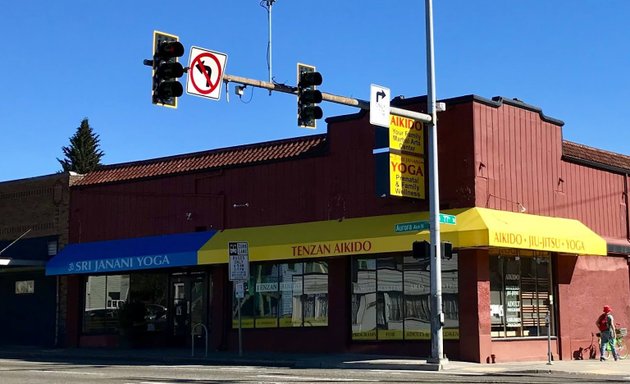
column 513, row 299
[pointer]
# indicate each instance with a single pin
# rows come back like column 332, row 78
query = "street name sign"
column 415, row 226
column 448, row 219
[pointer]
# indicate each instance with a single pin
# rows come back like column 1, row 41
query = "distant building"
column 33, row 226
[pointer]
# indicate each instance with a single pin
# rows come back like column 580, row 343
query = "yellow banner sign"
column 406, row 135
column 406, row 176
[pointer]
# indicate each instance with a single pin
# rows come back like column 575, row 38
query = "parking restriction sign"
column 239, row 260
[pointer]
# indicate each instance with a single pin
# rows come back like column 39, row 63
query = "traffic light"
column 308, row 96
column 421, row 250
column 166, row 69
column 447, row 250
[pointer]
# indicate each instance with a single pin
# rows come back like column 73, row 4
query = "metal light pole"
column 269, row 47
column 437, row 316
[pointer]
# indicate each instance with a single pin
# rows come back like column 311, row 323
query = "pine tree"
column 83, row 154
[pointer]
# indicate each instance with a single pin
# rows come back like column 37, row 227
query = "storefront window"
column 291, row 283
column 417, row 291
column 266, row 295
column 315, row 294
column 104, row 295
column 520, row 292
column 284, row 295
column 391, row 298
column 364, row 299
column 151, row 289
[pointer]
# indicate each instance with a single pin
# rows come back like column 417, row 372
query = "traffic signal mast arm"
column 362, row 104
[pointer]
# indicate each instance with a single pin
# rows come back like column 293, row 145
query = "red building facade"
column 542, row 229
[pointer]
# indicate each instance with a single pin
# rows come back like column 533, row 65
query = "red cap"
column 607, row 308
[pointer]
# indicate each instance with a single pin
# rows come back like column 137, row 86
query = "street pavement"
column 304, row 361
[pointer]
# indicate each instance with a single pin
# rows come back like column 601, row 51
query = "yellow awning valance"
column 315, row 239
column 474, row 227
column 488, row 227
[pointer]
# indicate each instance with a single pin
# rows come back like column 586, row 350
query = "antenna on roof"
column 267, row 4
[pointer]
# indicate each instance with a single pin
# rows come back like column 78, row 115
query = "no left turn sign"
column 205, row 73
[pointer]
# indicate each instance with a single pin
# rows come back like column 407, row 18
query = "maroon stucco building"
column 541, row 227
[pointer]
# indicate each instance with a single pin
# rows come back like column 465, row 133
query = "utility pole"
column 437, row 316
column 270, row 53
column 269, row 44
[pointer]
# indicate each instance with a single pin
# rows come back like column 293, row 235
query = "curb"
column 61, row 355
column 326, row 361
column 412, row 366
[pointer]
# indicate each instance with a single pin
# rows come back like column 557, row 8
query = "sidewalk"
column 329, row 361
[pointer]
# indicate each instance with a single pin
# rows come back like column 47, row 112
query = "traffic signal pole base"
column 441, row 363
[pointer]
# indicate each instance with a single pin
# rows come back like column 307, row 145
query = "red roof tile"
column 240, row 155
column 285, row 149
column 583, row 153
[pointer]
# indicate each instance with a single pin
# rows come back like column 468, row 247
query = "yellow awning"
column 488, row 227
column 475, row 227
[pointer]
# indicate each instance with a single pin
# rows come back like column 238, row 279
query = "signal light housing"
column 170, row 70
column 169, row 48
column 308, row 96
column 308, row 79
column 169, row 89
column 447, row 250
column 166, row 69
column 421, row 250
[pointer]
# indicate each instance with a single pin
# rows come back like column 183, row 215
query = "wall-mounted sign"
column 24, row 287
column 406, row 135
column 406, row 176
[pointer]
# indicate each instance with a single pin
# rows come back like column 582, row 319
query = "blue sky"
column 67, row 60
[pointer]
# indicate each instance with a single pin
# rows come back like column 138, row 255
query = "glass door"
column 188, row 292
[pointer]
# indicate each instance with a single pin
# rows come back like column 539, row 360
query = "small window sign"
column 24, row 287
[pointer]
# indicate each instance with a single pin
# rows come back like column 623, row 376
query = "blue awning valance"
column 140, row 253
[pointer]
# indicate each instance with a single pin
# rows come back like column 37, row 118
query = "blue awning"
column 129, row 254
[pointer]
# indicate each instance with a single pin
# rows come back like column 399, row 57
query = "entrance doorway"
column 189, row 303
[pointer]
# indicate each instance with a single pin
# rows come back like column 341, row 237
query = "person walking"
column 606, row 325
